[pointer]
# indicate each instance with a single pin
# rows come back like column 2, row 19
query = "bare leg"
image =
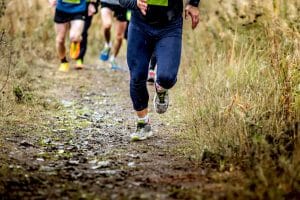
column 120, row 31
column 61, row 31
column 142, row 113
column 106, row 16
column 76, row 30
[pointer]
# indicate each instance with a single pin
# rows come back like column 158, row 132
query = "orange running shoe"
column 74, row 50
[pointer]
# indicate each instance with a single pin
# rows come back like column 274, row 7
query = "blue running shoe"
column 104, row 55
column 115, row 66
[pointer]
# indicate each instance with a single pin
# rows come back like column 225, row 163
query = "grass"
column 242, row 101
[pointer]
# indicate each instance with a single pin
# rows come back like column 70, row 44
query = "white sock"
column 107, row 45
column 112, row 58
column 144, row 119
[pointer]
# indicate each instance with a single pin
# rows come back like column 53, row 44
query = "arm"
column 52, row 3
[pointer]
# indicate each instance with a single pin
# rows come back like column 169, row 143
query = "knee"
column 138, row 81
column 75, row 37
column 167, row 81
column 60, row 40
column 119, row 36
column 107, row 25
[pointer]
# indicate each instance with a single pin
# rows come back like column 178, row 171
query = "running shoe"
column 79, row 64
column 104, row 55
column 151, row 76
column 74, row 50
column 143, row 131
column 64, row 67
column 161, row 101
column 114, row 65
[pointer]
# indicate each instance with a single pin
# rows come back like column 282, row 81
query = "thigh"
column 139, row 51
column 61, row 29
column 76, row 27
column 106, row 16
column 120, row 27
column 168, row 53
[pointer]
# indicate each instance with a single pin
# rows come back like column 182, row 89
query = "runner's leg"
column 120, row 31
column 138, row 56
column 76, row 29
column 106, row 17
column 61, row 32
column 168, row 52
column 153, row 62
column 84, row 41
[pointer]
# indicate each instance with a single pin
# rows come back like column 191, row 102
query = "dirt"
column 80, row 147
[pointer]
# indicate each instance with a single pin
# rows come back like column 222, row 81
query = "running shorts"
column 63, row 17
column 119, row 11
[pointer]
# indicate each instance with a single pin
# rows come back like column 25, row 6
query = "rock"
column 131, row 164
column 73, row 162
column 101, row 164
column 47, row 169
column 25, row 143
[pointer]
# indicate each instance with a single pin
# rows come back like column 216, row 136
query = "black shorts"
column 63, row 17
column 119, row 12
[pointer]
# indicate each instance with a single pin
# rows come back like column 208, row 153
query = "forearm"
column 129, row 4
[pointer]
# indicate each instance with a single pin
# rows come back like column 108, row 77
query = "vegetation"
column 242, row 105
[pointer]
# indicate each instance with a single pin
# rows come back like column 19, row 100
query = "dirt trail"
column 83, row 150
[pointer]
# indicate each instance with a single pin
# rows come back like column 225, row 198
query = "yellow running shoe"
column 74, row 50
column 79, row 64
column 64, row 67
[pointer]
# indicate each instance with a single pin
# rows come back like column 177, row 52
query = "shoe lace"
column 140, row 126
column 161, row 97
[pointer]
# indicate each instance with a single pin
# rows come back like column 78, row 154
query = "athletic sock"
column 64, row 60
column 143, row 119
column 107, row 45
column 112, row 58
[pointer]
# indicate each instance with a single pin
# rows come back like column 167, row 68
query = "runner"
column 155, row 26
column 108, row 9
column 69, row 15
column 152, row 66
column 90, row 12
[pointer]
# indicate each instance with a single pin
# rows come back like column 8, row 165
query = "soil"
column 80, row 146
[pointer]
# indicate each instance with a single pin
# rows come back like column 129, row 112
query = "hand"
column 52, row 3
column 142, row 5
column 194, row 13
column 91, row 9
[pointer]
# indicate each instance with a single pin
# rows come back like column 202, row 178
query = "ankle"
column 64, row 60
column 159, row 88
column 144, row 119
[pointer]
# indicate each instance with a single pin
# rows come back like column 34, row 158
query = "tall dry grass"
column 240, row 86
